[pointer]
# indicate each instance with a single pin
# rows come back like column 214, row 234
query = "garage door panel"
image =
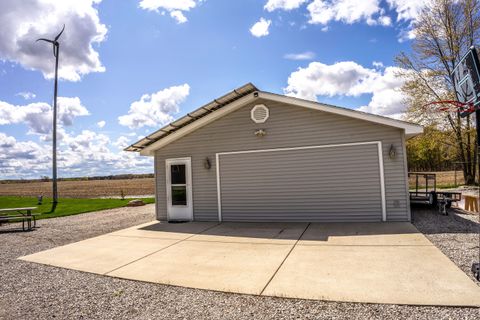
column 329, row 177
column 258, row 210
column 353, row 191
column 339, row 183
column 264, row 163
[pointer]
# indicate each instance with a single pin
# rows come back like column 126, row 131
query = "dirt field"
column 82, row 189
column 444, row 178
column 137, row 187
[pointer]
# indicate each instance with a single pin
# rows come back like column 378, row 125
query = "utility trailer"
column 427, row 193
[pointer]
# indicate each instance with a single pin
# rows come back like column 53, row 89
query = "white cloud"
column 387, row 99
column 25, row 21
column 85, row 154
column 176, row 8
column 307, row 55
column 69, row 108
column 155, row 109
column 178, row 16
column 378, row 64
column 406, row 34
column 407, row 9
column 38, row 116
column 260, row 28
column 371, row 12
column 26, row 95
column 341, row 78
column 286, row 5
column 101, row 124
column 17, row 157
column 348, row 78
column 347, row 11
column 385, row 21
column 122, row 142
column 170, row 5
column 89, row 153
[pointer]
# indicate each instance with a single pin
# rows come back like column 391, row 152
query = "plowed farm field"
column 82, row 189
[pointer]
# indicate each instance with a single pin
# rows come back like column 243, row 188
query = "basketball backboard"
column 466, row 78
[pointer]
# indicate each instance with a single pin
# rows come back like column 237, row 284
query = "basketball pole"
column 476, row 265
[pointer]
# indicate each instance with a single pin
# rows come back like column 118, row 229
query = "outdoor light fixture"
column 260, row 133
column 393, row 152
column 207, row 164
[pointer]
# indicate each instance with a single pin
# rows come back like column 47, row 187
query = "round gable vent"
column 259, row 113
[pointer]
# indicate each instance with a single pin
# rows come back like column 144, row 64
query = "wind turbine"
column 56, row 49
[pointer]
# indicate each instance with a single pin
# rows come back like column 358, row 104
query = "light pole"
column 56, row 49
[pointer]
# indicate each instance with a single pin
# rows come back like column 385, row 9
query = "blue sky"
column 129, row 67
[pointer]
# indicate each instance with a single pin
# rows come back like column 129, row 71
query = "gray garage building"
column 257, row 156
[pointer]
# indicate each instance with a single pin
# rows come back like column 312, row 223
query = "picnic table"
column 22, row 214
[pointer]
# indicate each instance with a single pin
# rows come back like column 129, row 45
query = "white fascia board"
column 149, row 150
column 410, row 128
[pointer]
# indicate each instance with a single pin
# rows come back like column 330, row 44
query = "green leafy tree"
column 429, row 152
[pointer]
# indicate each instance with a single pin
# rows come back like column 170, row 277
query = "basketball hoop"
column 464, row 108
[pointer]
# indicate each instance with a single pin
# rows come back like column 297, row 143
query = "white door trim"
column 380, row 164
column 382, row 181
column 188, row 173
column 219, row 194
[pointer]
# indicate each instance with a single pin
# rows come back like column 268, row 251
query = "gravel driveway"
column 29, row 290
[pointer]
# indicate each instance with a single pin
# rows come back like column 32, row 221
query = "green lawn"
column 66, row 206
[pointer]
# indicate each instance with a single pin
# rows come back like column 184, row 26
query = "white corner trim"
column 407, row 189
column 382, row 181
column 219, row 195
column 380, row 165
column 148, row 151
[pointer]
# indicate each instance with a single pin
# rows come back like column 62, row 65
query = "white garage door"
column 315, row 183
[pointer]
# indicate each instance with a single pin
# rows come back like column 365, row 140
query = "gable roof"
column 204, row 110
column 241, row 96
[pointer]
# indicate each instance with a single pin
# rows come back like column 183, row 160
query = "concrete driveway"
column 355, row 262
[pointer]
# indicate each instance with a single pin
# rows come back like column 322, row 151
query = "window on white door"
column 178, row 185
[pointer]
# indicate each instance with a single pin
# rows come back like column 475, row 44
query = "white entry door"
column 179, row 189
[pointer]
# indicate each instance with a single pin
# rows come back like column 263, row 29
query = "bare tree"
column 444, row 31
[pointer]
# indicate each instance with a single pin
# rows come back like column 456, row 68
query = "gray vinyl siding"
column 287, row 126
column 321, row 184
